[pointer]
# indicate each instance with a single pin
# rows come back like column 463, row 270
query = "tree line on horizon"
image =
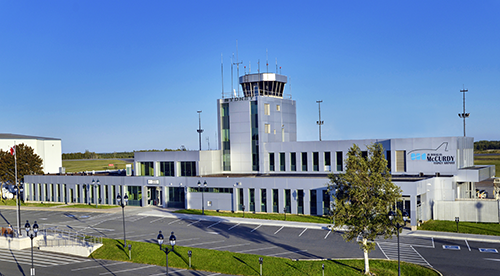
column 486, row 145
column 111, row 155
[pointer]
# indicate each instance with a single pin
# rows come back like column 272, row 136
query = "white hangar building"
column 49, row 149
column 260, row 166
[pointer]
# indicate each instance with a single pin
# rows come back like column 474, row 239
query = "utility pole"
column 200, row 131
column 319, row 122
column 463, row 114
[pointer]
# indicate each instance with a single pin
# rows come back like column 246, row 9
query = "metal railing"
column 65, row 237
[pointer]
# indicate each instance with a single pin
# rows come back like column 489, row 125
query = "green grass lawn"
column 94, row 164
column 246, row 264
column 463, row 227
column 12, row 202
column 270, row 216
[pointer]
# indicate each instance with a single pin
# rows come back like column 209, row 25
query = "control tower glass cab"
column 263, row 84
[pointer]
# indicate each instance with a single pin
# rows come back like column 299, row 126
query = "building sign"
column 236, row 99
column 153, row 181
column 437, row 156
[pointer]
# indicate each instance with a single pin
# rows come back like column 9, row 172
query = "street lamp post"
column 123, row 203
column 172, row 240
column 96, row 197
column 18, row 190
column 202, row 195
column 392, row 215
column 27, row 227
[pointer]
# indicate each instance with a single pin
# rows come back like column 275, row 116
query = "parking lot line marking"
column 496, row 260
column 214, row 224
column 256, row 228
column 214, row 274
column 233, row 226
column 421, row 256
column 433, row 242
column 227, row 246
column 257, row 249
column 329, row 232
column 171, row 271
column 467, row 244
column 279, row 230
column 155, row 220
column 287, row 252
column 126, row 270
column 303, row 232
column 96, row 266
column 383, row 252
column 174, row 221
column 202, row 243
column 193, row 222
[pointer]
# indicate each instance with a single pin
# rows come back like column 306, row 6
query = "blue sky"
column 117, row 76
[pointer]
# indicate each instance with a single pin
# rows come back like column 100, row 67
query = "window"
column 278, row 107
column 339, row 161
column 304, row 161
column 300, row 202
column 167, row 169
column 313, row 202
column 400, row 161
column 328, row 162
column 282, row 161
column 251, row 193
column 293, row 161
column 147, row 169
column 326, row 202
column 188, row 168
column 267, row 109
column 267, row 128
column 263, row 200
column 271, row 161
column 315, row 161
column 275, row 201
column 288, row 201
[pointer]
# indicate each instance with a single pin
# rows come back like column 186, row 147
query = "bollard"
column 260, row 262
column 130, row 251
column 457, row 219
column 323, row 269
column 189, row 255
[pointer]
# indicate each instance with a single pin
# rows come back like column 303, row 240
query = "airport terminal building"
column 260, row 166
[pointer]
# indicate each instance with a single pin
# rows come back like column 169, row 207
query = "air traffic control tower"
column 264, row 114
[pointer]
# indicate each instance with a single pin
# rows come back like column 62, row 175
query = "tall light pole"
column 202, row 195
column 200, row 131
column 123, row 203
column 96, row 196
column 392, row 215
column 319, row 122
column 463, row 114
column 27, row 227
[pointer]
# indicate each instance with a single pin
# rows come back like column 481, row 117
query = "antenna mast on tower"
column 222, row 73
column 463, row 114
column 200, row 131
column 237, row 63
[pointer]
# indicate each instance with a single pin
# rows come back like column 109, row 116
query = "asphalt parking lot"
column 281, row 239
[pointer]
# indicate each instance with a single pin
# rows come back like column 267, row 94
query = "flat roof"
column 20, row 136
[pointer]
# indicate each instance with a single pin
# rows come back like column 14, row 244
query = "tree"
column 28, row 163
column 363, row 196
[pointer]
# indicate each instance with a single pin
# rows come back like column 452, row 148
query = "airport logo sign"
column 437, row 156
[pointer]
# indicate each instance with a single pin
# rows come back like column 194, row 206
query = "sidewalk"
column 320, row 226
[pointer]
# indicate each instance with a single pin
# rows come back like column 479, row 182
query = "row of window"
column 400, row 161
column 303, row 161
column 167, row 168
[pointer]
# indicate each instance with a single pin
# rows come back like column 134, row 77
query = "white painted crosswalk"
column 407, row 253
column 40, row 258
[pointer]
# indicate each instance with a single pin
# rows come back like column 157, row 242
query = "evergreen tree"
column 363, row 196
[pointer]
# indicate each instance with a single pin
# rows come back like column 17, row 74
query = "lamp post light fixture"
column 457, row 219
column 202, row 195
column 392, row 215
column 96, row 197
column 27, row 227
column 172, row 240
column 122, row 203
